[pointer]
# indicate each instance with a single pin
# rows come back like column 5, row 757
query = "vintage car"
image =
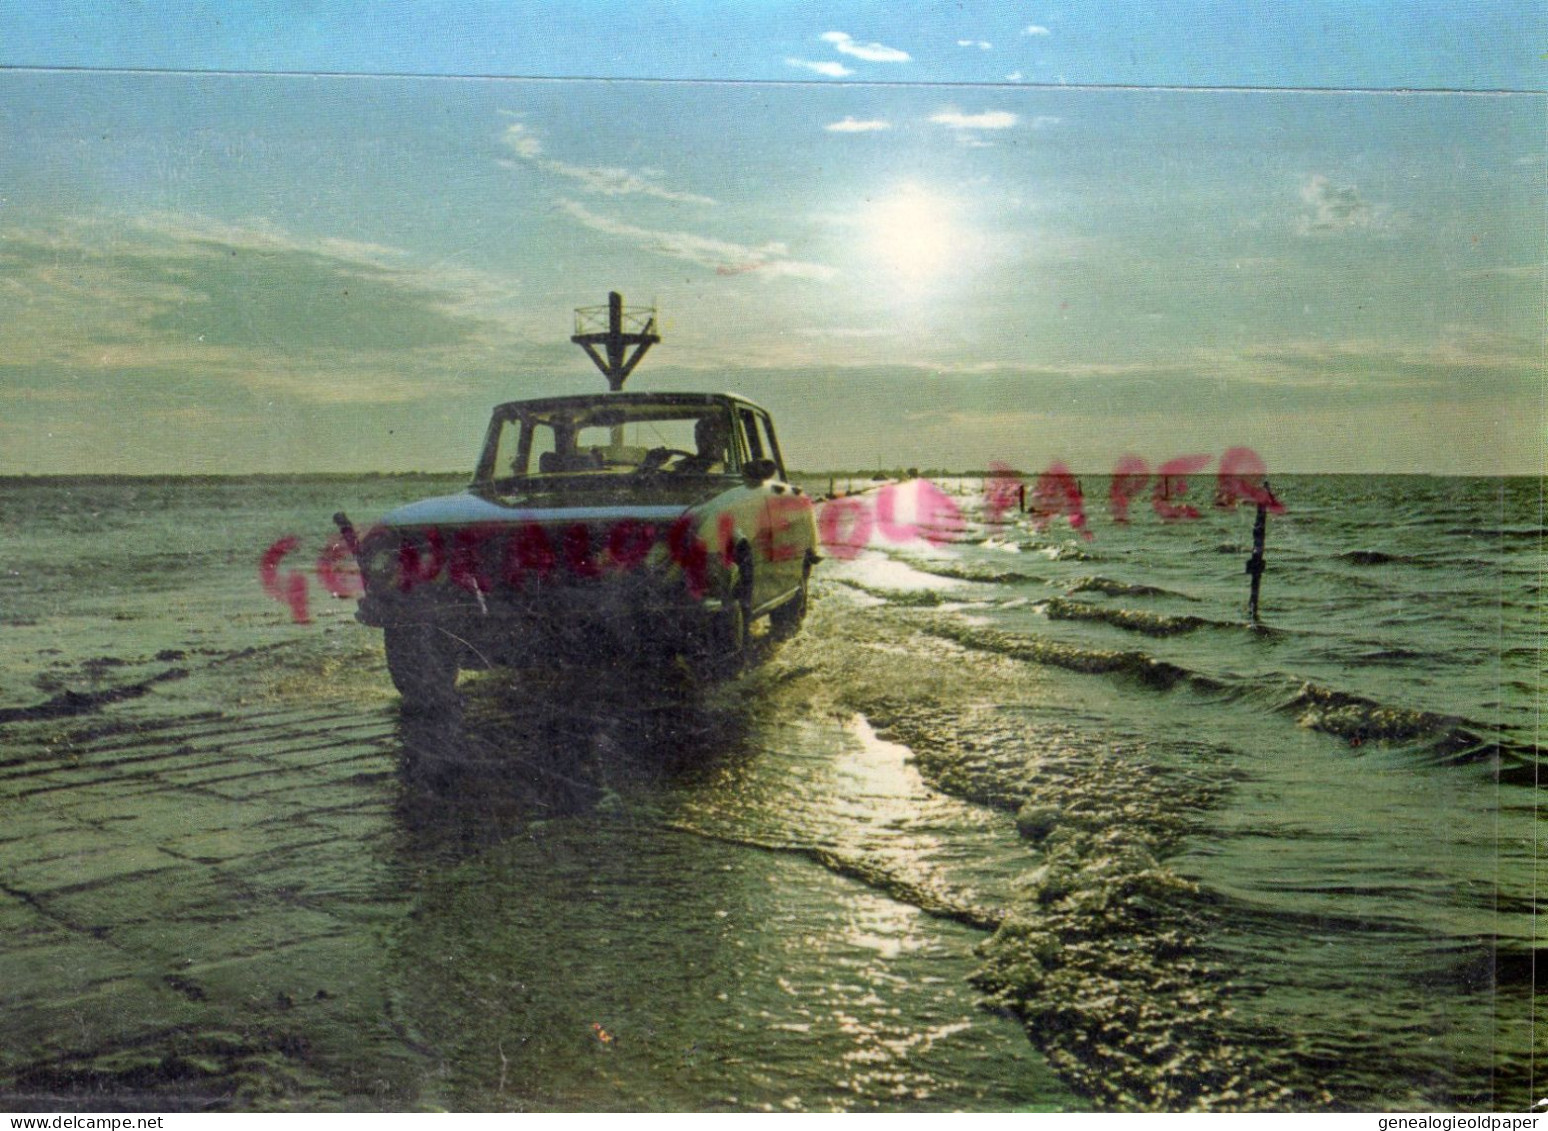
column 598, row 528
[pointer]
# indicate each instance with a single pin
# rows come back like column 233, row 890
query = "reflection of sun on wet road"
column 655, row 867
column 589, row 891
column 725, row 979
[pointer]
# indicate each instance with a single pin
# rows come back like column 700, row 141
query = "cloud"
column 1042, row 121
column 1035, row 29
column 195, row 234
column 1460, row 361
column 833, row 70
column 1336, row 208
column 524, row 144
column 852, row 125
column 601, row 179
column 611, row 181
column 981, row 44
column 461, row 292
column 180, row 305
column 870, row 52
column 988, row 120
column 770, row 260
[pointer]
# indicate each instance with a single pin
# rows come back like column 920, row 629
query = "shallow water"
column 1379, row 840
column 1020, row 821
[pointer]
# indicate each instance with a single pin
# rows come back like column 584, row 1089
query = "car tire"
column 785, row 621
column 423, row 666
column 730, row 630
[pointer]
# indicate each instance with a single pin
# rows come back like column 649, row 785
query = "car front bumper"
column 631, row 612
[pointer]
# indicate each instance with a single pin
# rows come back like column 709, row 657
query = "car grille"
column 508, row 561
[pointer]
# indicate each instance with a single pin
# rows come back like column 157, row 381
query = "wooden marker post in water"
column 1255, row 563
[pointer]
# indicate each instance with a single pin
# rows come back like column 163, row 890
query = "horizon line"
column 868, row 473
column 475, row 76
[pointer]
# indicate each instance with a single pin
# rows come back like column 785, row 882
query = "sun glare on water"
column 911, row 234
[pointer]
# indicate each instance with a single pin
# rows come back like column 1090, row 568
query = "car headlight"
column 379, row 563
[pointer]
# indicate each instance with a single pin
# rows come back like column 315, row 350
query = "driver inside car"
column 710, row 435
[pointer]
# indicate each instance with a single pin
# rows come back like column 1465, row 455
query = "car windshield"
column 609, row 441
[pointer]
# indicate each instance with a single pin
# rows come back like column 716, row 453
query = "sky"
column 324, row 237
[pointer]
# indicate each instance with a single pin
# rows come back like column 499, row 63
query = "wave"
column 1001, row 543
column 976, row 574
column 912, row 598
column 1527, row 773
column 1443, row 739
column 1360, row 719
column 1132, row 620
column 1101, row 936
column 1092, row 661
column 1357, row 720
column 1372, row 557
column 1069, row 552
column 1394, row 656
column 1434, row 560
column 1535, row 533
column 1110, row 588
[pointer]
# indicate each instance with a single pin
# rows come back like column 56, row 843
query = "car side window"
column 770, row 444
column 542, row 443
column 750, row 432
column 510, row 442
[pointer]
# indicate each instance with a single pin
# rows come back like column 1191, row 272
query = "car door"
column 783, row 535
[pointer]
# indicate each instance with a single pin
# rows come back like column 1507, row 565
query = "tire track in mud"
column 1103, row 954
column 188, row 894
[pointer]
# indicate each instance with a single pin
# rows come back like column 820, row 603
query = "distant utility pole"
column 624, row 328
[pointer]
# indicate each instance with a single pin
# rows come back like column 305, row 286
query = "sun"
column 911, row 233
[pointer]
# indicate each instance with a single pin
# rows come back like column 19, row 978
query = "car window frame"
column 745, row 443
column 773, row 441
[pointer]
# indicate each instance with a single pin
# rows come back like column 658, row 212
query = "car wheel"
column 729, row 635
column 786, row 620
column 423, row 666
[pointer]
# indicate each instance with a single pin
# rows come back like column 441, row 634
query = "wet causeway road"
column 988, row 834
column 240, row 880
